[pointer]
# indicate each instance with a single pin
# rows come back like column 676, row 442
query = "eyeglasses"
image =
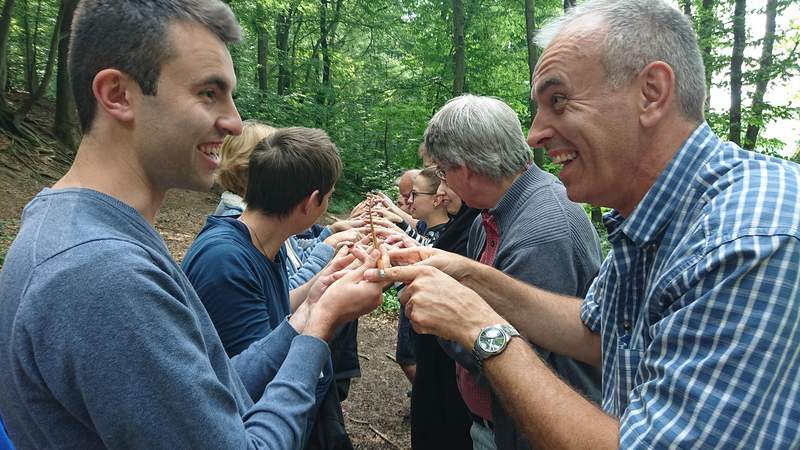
column 414, row 193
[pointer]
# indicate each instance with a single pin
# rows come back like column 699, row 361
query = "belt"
column 482, row 421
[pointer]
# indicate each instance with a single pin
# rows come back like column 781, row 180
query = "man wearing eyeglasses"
column 528, row 229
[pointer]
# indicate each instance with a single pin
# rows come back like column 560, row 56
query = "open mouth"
column 564, row 158
column 211, row 150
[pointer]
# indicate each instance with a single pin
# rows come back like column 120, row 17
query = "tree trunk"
column 65, row 126
column 687, row 8
column 707, row 28
column 737, row 59
column 28, row 55
column 459, row 64
column 282, row 26
column 533, row 56
column 5, row 28
column 263, row 68
column 762, row 77
column 385, row 144
column 48, row 71
column 597, row 215
column 323, row 45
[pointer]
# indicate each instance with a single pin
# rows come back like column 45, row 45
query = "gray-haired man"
column 694, row 315
column 528, row 229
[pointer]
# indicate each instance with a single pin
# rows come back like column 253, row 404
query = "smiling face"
column 581, row 122
column 425, row 200
column 450, row 199
column 178, row 132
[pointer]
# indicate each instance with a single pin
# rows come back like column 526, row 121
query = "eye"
column 209, row 94
column 557, row 101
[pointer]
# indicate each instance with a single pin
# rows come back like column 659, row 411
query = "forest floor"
column 377, row 407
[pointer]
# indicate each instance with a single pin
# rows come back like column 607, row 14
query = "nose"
column 230, row 122
column 540, row 132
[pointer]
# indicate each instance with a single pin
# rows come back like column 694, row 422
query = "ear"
column 310, row 202
column 112, row 90
column 657, row 86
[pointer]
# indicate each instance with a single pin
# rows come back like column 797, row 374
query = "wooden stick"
column 384, row 437
column 379, row 263
column 376, row 431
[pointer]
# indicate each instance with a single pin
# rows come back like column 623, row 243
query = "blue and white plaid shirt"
column 698, row 306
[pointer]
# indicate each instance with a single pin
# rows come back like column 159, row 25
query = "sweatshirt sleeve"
column 313, row 263
column 121, row 346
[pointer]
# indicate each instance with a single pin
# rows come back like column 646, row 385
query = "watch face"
column 492, row 340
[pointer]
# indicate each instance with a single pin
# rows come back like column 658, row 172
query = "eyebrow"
column 543, row 86
column 221, row 83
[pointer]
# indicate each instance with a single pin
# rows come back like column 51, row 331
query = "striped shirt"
column 698, row 305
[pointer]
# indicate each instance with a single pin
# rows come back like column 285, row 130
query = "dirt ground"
column 375, row 409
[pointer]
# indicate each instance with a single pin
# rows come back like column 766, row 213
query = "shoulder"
column 219, row 240
column 745, row 193
column 99, row 281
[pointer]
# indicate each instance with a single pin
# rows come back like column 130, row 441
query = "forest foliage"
column 372, row 72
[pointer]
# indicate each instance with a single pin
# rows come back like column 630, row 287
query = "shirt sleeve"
column 313, row 262
column 721, row 370
column 126, row 352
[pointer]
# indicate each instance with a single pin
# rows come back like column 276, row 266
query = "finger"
column 404, row 274
column 359, row 253
column 369, row 263
column 340, row 263
column 338, row 275
column 386, row 263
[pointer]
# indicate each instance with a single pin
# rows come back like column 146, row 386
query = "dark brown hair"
column 288, row 166
column 131, row 36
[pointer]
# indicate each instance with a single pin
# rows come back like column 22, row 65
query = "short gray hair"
column 640, row 32
column 481, row 133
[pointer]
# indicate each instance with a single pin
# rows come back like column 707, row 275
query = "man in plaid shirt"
column 695, row 314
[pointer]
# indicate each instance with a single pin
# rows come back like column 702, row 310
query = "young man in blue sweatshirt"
column 103, row 340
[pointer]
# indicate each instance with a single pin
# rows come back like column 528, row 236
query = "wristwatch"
column 492, row 341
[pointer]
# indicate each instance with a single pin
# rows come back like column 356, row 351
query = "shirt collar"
column 533, row 175
column 672, row 189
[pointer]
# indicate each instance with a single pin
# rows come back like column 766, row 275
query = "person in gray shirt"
column 528, row 229
column 103, row 341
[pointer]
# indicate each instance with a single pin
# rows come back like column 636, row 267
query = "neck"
column 660, row 144
column 437, row 217
column 494, row 191
column 266, row 233
column 113, row 171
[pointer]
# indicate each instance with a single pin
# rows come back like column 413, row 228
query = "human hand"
column 348, row 298
column 350, row 236
column 330, row 273
column 358, row 210
column 452, row 264
column 388, row 215
column 344, row 225
column 436, row 303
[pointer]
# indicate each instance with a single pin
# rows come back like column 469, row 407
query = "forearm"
column 299, row 294
column 549, row 413
column 548, row 320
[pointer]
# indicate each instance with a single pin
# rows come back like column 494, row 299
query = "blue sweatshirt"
column 104, row 343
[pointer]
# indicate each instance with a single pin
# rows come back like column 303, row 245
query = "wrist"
column 319, row 325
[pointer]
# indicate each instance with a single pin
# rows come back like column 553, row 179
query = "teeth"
column 210, row 149
column 564, row 157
